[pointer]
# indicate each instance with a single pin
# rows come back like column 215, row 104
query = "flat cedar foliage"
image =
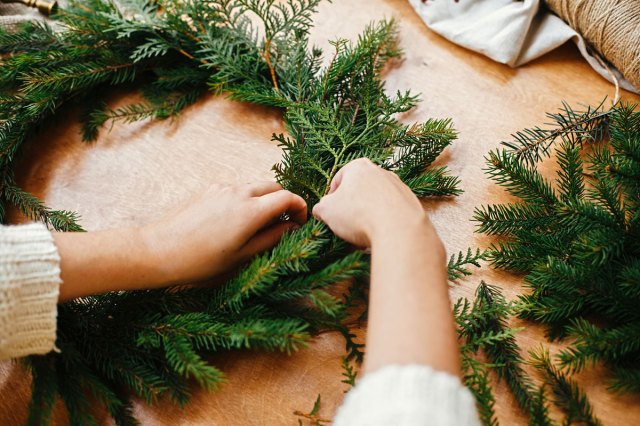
column 154, row 343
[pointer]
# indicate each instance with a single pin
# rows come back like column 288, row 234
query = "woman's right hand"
column 365, row 201
column 410, row 319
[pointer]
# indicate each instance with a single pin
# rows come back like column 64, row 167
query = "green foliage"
column 566, row 394
column 312, row 417
column 457, row 266
column 576, row 127
column 348, row 372
column 482, row 325
column 576, row 237
column 155, row 343
column 33, row 208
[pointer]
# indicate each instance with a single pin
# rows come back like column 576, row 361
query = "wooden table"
column 136, row 172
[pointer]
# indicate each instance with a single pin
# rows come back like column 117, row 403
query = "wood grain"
column 136, row 172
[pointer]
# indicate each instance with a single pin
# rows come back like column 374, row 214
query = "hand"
column 211, row 234
column 408, row 299
column 221, row 228
column 366, row 201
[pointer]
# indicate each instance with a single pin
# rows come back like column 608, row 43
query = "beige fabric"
column 409, row 395
column 12, row 14
column 508, row 31
column 29, row 288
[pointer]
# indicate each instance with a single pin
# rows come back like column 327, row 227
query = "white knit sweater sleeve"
column 29, row 287
column 408, row 395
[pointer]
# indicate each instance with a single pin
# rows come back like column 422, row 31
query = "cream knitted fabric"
column 408, row 395
column 29, row 287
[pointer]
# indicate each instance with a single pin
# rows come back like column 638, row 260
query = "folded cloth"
column 507, row 31
column 12, row 14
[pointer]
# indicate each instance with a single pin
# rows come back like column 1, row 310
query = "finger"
column 277, row 203
column 258, row 189
column 317, row 211
column 335, row 182
column 266, row 238
column 320, row 209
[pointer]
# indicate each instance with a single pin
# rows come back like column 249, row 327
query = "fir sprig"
column 482, row 325
column 533, row 144
column 566, row 393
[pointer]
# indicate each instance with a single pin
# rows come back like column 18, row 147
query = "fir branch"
column 504, row 352
column 531, row 145
column 566, row 394
column 509, row 219
column 476, row 379
column 577, row 242
column 519, row 179
column 44, row 388
column 482, row 325
column 33, row 208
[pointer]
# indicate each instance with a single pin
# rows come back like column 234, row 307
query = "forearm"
column 97, row 262
column 410, row 318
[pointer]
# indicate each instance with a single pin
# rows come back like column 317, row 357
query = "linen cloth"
column 507, row 31
column 12, row 14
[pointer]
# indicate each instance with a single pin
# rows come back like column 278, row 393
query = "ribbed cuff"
column 408, row 395
column 29, row 288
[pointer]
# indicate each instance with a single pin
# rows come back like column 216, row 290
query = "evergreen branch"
column 288, row 256
column 504, row 352
column 626, row 379
column 531, row 145
column 185, row 361
column 44, row 388
column 509, row 219
column 313, row 415
column 577, row 241
column 32, row 208
column 566, row 394
column 476, row 379
column 594, row 343
column 349, row 373
column 457, row 265
column 482, row 324
column 519, row 180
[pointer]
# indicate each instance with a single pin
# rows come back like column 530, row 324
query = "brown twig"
column 554, row 134
column 311, row 417
column 267, row 57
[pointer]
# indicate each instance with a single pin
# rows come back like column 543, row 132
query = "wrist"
column 416, row 229
column 415, row 241
column 153, row 252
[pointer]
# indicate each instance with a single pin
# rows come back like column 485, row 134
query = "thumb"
column 320, row 210
column 266, row 238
